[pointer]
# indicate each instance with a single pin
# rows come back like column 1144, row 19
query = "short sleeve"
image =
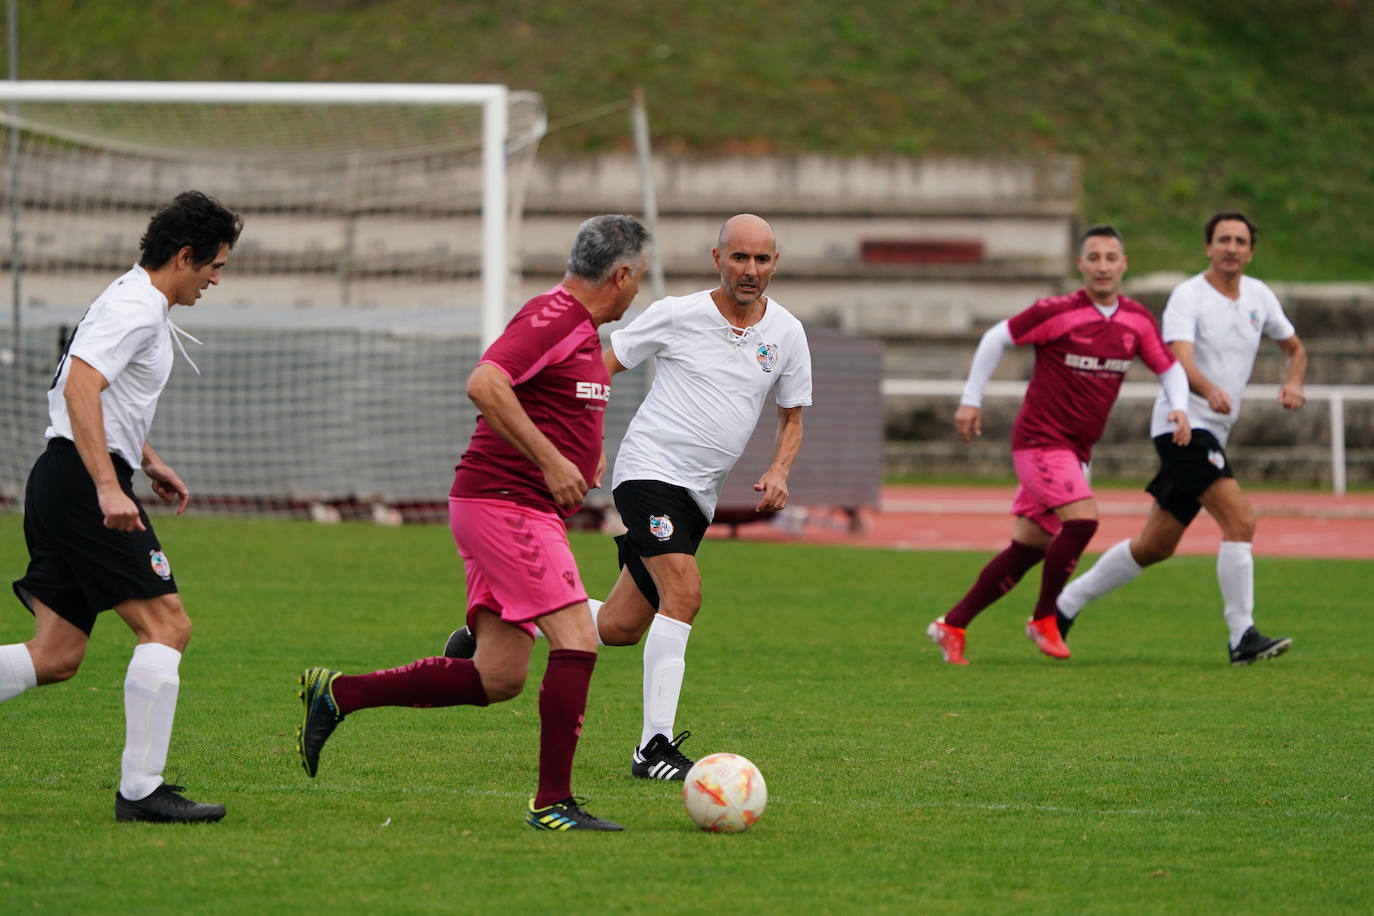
column 1180, row 315
column 647, row 335
column 1276, row 323
column 794, row 386
column 111, row 336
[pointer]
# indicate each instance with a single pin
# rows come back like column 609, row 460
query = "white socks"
column 596, row 609
column 665, row 651
column 150, row 704
column 1236, row 576
column 1112, row 570
column 16, row 671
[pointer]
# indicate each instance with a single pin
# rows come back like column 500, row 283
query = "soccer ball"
column 724, row 793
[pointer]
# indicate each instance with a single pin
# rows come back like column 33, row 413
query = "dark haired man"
column 91, row 545
column 1213, row 323
column 1084, row 343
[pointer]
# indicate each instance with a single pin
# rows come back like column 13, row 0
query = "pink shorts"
column 1049, row 478
column 517, row 560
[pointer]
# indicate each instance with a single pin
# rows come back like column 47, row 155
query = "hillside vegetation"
column 1176, row 107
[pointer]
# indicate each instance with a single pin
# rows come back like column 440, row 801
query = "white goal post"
column 380, row 249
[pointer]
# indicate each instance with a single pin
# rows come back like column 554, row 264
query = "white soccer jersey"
column 125, row 336
column 1225, row 334
column 708, row 390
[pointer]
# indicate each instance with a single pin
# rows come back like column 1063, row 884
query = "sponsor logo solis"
column 593, row 391
column 1093, row 364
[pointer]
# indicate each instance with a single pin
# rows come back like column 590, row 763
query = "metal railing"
column 1334, row 395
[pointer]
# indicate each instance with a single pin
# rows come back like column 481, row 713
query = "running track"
column 1307, row 524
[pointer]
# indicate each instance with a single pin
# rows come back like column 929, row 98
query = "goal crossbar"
column 492, row 98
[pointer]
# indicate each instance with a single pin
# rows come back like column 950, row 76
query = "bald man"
column 716, row 355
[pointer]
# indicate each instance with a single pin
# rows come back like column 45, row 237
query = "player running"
column 542, row 389
column 1084, row 344
column 91, row 544
column 717, row 354
column 1213, row 322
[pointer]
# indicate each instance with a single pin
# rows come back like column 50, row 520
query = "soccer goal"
column 381, row 238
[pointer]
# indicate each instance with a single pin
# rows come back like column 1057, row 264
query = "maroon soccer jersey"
column 1081, row 359
column 552, row 354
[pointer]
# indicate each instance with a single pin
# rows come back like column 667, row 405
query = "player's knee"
column 52, row 666
column 502, row 685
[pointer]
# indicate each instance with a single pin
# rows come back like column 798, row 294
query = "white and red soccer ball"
column 724, row 793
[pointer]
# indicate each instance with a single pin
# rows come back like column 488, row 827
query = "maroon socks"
column 1060, row 559
column 428, row 682
column 562, row 702
column 997, row 578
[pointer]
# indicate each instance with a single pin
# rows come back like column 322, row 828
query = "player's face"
column 193, row 280
column 1231, row 247
column 746, row 263
column 1102, row 262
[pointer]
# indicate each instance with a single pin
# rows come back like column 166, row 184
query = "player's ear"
column 186, row 257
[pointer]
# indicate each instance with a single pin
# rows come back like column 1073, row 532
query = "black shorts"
column 659, row 518
column 1185, row 473
column 77, row 566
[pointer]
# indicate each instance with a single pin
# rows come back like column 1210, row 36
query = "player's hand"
column 1219, row 400
column 773, row 486
column 167, row 486
column 121, row 512
column 1291, row 397
column 600, row 470
column 566, row 483
column 1183, row 433
column 968, row 421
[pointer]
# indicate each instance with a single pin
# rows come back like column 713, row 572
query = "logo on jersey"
column 661, row 527
column 569, row 578
column 1254, row 319
column 1093, row 364
column 767, row 355
column 593, row 391
column 1217, row 458
column 158, row 561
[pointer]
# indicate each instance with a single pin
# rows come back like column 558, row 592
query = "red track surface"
column 975, row 518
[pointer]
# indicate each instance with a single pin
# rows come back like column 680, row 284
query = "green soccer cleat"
column 320, row 716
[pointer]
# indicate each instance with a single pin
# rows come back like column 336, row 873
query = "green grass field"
column 1145, row 775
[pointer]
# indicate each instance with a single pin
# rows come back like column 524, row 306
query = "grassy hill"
column 1176, row 107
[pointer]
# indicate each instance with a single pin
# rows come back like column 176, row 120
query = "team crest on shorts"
column 767, row 355
column 661, row 527
column 158, row 560
column 569, row 578
column 1217, row 458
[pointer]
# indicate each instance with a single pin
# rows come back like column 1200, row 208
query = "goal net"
column 381, row 230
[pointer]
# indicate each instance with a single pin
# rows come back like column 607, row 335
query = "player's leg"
column 151, row 686
column 625, row 615
column 54, row 654
column 999, row 576
column 562, row 705
column 1121, row 563
column 1226, row 503
column 678, row 580
column 664, row 528
column 328, row 696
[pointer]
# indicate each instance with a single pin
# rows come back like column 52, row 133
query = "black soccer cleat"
column 1063, row 622
column 566, row 815
column 661, row 759
column 166, row 806
column 1255, row 646
column 319, row 718
column 461, row 644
